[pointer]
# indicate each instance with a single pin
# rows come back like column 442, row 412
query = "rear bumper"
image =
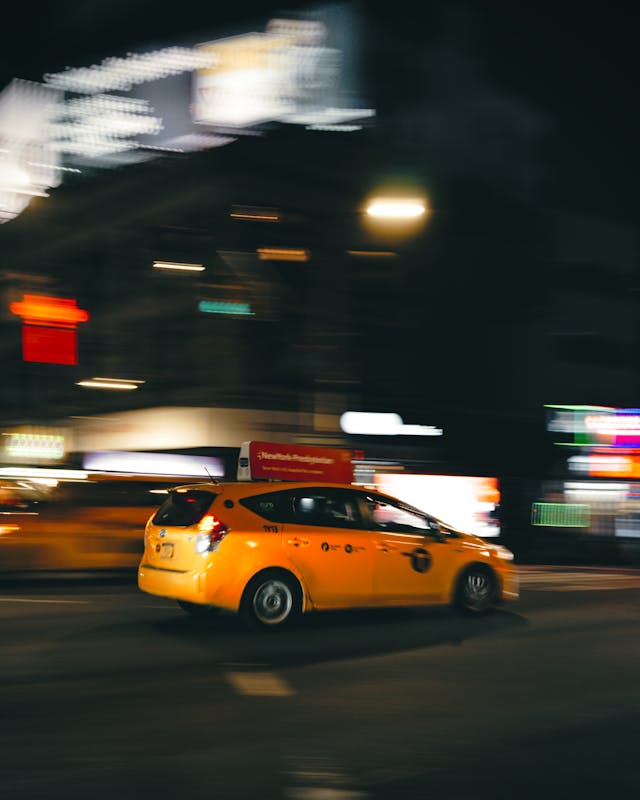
column 176, row 584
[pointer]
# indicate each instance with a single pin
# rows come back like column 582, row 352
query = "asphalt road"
column 109, row 693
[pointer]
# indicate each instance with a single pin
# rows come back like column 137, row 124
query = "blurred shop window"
column 107, row 493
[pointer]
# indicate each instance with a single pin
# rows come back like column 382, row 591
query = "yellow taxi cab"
column 273, row 551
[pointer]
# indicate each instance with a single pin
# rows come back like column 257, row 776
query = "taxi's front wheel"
column 272, row 599
column 476, row 590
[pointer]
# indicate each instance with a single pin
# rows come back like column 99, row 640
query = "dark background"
column 519, row 123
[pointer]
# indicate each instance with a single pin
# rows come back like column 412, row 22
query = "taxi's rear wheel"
column 476, row 591
column 271, row 600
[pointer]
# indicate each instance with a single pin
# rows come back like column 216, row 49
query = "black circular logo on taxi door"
column 325, row 546
column 420, row 559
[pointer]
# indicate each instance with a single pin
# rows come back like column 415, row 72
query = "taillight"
column 212, row 532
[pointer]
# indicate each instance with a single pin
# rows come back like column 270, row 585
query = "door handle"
column 385, row 548
column 297, row 542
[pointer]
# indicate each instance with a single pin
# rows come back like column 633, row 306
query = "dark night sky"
column 573, row 60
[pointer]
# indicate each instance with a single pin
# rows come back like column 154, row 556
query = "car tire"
column 272, row 600
column 197, row 609
column 476, row 590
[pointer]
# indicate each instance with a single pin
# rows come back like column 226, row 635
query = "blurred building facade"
column 507, row 298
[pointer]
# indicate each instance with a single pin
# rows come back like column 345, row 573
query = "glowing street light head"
column 396, row 208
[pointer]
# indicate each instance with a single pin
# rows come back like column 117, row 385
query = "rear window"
column 184, row 508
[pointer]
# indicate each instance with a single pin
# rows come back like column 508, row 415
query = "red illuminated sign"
column 291, row 462
column 49, row 328
column 49, row 345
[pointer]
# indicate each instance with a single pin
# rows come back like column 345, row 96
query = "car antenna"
column 211, row 478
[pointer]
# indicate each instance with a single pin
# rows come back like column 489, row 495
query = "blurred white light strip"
column 123, row 73
column 153, row 464
column 109, row 383
column 362, row 422
column 420, row 430
column 327, row 116
column 102, row 125
column 334, row 128
column 117, row 380
column 257, row 213
column 383, row 424
column 595, row 486
column 601, row 463
column 178, row 265
column 396, row 209
column 44, row 472
column 603, row 491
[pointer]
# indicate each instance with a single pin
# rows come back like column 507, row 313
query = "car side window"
column 385, row 514
column 272, row 506
column 331, row 508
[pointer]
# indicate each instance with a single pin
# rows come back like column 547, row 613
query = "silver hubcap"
column 477, row 589
column 272, row 602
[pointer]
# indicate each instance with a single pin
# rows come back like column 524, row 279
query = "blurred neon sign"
column 37, row 309
column 596, row 426
column 225, row 307
column 21, row 444
column 603, row 465
column 49, row 328
column 618, row 424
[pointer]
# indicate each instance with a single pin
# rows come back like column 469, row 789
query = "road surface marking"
column 324, row 793
column 259, row 684
column 320, row 778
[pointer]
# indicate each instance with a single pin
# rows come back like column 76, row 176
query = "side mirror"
column 436, row 533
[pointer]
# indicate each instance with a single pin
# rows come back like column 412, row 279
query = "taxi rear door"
column 325, row 540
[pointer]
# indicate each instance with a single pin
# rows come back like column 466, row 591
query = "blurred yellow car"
column 273, row 551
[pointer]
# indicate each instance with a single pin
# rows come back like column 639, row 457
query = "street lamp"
column 394, row 215
column 396, row 208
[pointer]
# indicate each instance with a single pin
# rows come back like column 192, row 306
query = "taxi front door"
column 336, row 563
column 411, row 568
